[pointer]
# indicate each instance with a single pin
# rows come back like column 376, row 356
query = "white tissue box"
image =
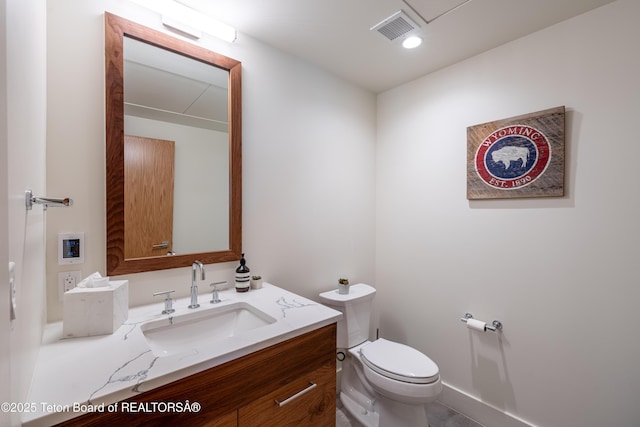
column 95, row 311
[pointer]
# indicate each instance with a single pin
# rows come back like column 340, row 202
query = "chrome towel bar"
column 30, row 200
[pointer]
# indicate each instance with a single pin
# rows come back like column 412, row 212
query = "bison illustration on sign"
column 509, row 154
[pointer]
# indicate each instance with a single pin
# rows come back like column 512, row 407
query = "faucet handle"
column 168, row 301
column 214, row 296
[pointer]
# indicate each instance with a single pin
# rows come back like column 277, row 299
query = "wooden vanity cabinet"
column 229, row 420
column 291, row 383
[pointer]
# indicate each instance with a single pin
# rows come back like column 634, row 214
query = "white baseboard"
column 480, row 412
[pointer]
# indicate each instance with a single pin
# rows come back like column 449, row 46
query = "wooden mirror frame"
column 116, row 28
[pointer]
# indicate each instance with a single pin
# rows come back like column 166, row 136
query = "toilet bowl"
column 383, row 383
column 400, row 372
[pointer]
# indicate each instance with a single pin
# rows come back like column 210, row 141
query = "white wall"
column 309, row 183
column 23, row 164
column 308, row 161
column 5, row 328
column 560, row 273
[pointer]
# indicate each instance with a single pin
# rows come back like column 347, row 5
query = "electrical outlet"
column 68, row 280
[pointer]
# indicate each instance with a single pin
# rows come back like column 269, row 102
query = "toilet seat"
column 399, row 362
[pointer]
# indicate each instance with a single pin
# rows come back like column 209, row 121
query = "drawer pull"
column 297, row 395
column 162, row 245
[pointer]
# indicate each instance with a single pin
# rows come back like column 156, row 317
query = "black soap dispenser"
column 242, row 276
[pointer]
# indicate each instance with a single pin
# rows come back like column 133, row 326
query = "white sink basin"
column 178, row 334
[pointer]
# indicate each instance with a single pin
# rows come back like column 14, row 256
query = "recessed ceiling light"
column 412, row 42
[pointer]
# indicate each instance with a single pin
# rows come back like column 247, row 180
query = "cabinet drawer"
column 229, row 420
column 307, row 401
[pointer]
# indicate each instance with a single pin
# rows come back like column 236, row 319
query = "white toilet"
column 383, row 383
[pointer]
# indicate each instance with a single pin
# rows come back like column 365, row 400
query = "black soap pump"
column 242, row 276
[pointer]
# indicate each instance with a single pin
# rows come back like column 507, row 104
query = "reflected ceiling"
column 194, row 94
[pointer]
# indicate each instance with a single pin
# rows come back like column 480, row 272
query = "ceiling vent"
column 397, row 25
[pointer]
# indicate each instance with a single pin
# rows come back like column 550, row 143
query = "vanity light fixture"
column 184, row 19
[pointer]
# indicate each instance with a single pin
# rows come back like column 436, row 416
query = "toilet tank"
column 353, row 327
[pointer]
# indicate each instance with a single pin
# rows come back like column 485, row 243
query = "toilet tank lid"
column 357, row 291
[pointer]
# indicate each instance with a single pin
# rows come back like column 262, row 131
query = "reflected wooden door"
column 148, row 196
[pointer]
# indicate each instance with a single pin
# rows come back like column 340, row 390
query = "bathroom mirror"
column 200, row 123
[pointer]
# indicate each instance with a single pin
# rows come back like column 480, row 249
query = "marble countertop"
column 77, row 375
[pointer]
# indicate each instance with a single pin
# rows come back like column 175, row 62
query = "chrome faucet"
column 194, row 287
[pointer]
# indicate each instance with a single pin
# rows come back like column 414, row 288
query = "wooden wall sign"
column 520, row 156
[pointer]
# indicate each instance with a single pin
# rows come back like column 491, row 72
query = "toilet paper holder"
column 496, row 325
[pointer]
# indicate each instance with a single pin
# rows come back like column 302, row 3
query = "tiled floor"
column 438, row 414
column 443, row 416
